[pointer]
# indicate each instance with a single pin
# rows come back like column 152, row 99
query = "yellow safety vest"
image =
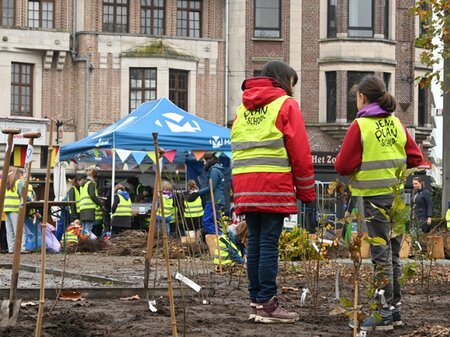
column 168, row 206
column 85, row 200
column 193, row 209
column 257, row 144
column 12, row 199
column 383, row 140
column 447, row 217
column 70, row 237
column 77, row 198
column 223, row 250
column 123, row 207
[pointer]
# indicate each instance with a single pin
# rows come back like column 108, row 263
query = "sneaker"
column 378, row 324
column 397, row 318
column 272, row 312
column 253, row 311
column 350, row 323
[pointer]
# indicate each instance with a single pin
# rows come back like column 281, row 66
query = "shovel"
column 10, row 309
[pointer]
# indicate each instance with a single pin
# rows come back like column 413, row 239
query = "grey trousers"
column 385, row 258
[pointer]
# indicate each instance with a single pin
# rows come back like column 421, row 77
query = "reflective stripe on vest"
column 168, row 205
column 123, row 207
column 383, row 141
column 193, row 209
column 12, row 199
column 85, row 200
column 70, row 237
column 258, row 146
column 223, row 250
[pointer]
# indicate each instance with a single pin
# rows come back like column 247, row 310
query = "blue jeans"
column 88, row 225
column 264, row 231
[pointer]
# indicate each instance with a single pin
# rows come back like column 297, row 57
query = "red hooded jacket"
column 258, row 92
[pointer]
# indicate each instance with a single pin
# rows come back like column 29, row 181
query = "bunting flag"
column 138, row 156
column 54, row 156
column 19, row 155
column 144, row 167
column 96, row 152
column 170, row 155
column 198, row 154
column 152, row 156
column 123, row 154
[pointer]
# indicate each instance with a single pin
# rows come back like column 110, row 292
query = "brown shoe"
column 272, row 312
column 252, row 312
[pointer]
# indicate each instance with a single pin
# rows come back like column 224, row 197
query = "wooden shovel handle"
column 11, row 131
column 32, row 134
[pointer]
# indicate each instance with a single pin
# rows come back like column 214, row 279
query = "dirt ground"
column 221, row 307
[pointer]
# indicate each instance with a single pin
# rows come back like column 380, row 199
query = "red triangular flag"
column 170, row 155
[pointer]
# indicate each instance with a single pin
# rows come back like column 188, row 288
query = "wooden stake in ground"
column 151, row 231
column 6, row 160
column 43, row 234
column 216, row 227
column 165, row 243
column 9, row 318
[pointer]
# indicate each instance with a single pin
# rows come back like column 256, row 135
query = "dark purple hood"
column 371, row 110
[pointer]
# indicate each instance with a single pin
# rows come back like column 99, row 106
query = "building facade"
column 88, row 63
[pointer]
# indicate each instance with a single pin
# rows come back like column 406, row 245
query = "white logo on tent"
column 176, row 123
column 217, row 142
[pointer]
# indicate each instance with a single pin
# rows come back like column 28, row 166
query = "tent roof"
column 176, row 128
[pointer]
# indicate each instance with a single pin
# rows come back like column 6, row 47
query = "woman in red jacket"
column 272, row 167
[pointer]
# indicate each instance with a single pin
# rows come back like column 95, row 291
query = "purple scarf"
column 372, row 109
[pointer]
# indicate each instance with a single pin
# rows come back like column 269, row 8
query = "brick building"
column 90, row 62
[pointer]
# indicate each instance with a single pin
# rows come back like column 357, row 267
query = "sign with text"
column 24, row 126
column 324, row 158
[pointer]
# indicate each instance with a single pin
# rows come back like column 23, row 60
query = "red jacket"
column 349, row 158
column 259, row 92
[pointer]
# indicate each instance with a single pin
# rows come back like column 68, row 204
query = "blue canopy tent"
column 177, row 130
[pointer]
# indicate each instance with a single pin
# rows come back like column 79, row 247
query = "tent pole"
column 113, row 182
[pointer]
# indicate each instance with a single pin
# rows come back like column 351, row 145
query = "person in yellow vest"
column 447, row 216
column 11, row 206
column 73, row 194
column 89, row 200
column 192, row 210
column 72, row 234
column 3, row 241
column 233, row 245
column 167, row 190
column 375, row 146
column 121, row 210
column 271, row 169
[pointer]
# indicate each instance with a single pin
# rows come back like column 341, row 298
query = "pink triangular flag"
column 170, row 155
